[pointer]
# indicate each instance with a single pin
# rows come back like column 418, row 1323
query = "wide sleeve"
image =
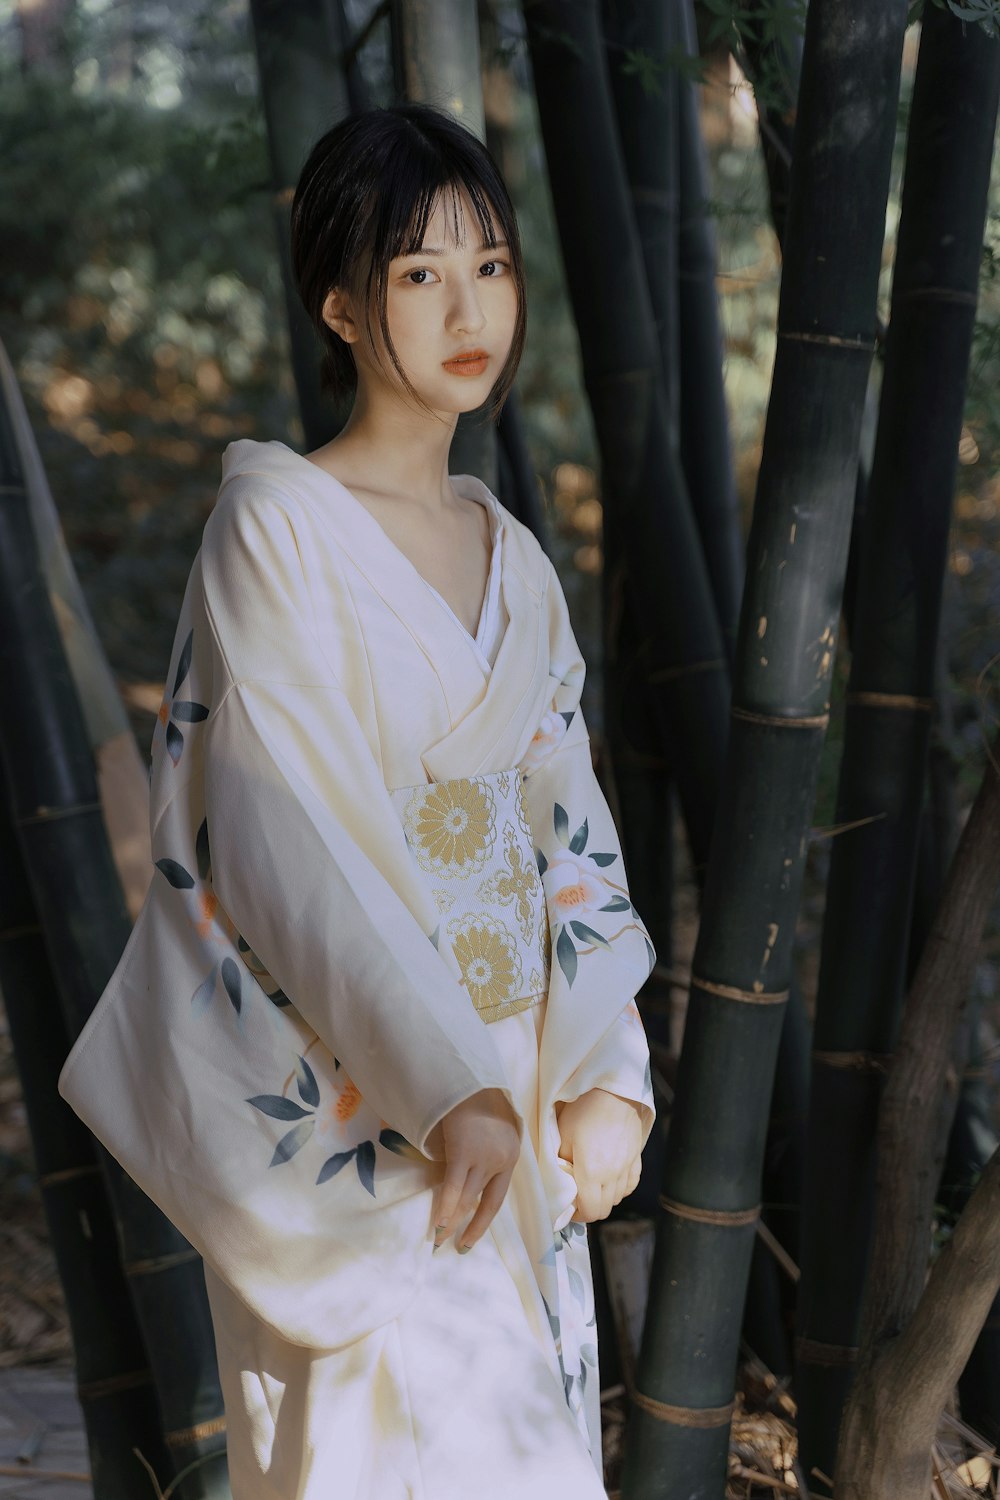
column 601, row 950
column 308, row 856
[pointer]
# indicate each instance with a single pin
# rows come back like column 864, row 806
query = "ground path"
column 41, row 1417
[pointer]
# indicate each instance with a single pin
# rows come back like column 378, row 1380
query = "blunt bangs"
column 365, row 197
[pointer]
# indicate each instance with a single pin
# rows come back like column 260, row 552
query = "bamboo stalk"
column 57, row 817
column 677, row 1442
column 304, row 93
column 654, row 570
column 114, row 1383
column 436, row 60
column 890, row 692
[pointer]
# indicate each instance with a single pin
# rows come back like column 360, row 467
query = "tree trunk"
column 678, row 1434
column 53, row 796
column 915, row 1346
column 436, row 61
column 890, row 694
column 304, row 93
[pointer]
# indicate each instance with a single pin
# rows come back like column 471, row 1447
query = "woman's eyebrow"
column 441, row 250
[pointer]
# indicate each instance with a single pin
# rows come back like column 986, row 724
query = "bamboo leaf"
column 278, row 1107
column 306, row 1081
column 366, row 1165
column 560, row 822
column 184, row 664
column 176, row 874
column 189, row 712
column 578, row 842
column 231, row 980
column 292, row 1142
column 603, row 859
column 617, row 903
column 566, row 954
column 333, row 1164
column 588, row 935
column 542, row 862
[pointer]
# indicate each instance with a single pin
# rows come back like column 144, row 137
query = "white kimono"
column 386, row 878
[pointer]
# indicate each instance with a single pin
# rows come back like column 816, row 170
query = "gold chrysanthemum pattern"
column 451, row 825
column 487, row 955
column 470, row 839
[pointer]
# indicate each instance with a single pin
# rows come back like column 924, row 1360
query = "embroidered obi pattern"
column 470, row 839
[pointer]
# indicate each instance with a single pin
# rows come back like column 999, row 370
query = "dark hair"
column 364, row 197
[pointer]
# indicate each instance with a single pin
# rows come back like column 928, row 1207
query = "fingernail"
column 464, row 1249
column 438, row 1228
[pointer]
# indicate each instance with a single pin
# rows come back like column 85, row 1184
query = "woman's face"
column 452, row 298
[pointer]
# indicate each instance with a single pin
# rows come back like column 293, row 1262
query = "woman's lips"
column 467, row 366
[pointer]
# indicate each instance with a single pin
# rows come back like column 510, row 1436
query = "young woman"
column 378, row 1009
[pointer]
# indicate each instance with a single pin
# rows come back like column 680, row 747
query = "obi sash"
column 471, row 843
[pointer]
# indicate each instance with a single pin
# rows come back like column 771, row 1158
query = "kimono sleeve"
column 308, row 856
column 601, row 950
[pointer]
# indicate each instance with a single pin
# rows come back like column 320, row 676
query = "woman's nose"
column 467, row 311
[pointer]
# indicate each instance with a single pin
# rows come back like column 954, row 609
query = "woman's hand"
column 480, row 1143
column 601, row 1135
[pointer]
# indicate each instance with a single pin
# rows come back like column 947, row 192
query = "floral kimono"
column 385, row 878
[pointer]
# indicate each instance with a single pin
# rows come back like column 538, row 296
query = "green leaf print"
column 201, row 849
column 231, row 980
column 189, row 712
column 541, row 862
column 560, row 821
column 292, row 1142
column 366, row 1165
column 566, row 954
column 175, row 741
column 617, row 903
column 184, row 662
column 588, row 935
column 176, row 874
column 278, row 1107
column 333, row 1164
column 604, row 859
column 202, row 997
column 306, row 1081
column 578, row 842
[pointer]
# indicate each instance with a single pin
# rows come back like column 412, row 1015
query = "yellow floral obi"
column 470, row 839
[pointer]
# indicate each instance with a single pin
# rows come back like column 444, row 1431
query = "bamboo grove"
column 718, row 656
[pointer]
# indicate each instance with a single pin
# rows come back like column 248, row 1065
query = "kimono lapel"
column 493, row 716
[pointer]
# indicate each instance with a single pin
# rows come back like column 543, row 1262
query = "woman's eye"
column 496, row 267
column 420, row 271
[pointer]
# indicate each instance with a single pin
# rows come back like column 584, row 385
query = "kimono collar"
column 493, row 714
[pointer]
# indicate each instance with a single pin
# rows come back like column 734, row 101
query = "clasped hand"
column 601, row 1137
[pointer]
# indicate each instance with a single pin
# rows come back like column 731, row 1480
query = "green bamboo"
column 435, row 47
column 304, row 92
column 654, row 572
column 677, row 1443
column 56, row 813
column 519, row 490
column 113, row 1380
column 890, row 692
column 773, row 64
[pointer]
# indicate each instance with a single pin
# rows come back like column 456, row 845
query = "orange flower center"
column 347, row 1104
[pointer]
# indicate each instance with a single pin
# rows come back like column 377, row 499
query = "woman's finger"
column 489, row 1205
column 451, row 1194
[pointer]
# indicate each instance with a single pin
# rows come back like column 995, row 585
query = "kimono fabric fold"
column 386, row 878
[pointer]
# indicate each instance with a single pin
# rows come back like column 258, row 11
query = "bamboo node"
column 670, row 674
column 746, row 997
column 814, row 1352
column 861, row 1062
column 96, row 1390
column 159, row 1263
column 183, row 1436
column 864, row 699
column 833, row 340
column 782, row 721
column 683, row 1416
column 724, row 1217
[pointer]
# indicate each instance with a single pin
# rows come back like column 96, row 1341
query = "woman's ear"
column 337, row 315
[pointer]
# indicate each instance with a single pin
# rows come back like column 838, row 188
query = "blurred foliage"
column 140, row 299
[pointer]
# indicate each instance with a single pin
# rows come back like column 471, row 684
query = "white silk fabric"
column 291, row 1016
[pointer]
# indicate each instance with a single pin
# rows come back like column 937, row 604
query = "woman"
column 378, row 1010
